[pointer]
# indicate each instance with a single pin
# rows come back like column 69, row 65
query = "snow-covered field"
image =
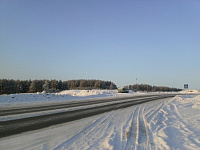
column 164, row 124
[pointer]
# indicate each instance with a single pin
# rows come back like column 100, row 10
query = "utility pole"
column 1, row 87
column 136, row 85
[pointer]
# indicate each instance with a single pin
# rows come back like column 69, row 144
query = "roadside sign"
column 185, row 86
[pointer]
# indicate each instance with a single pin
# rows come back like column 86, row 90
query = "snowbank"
column 190, row 91
column 84, row 93
column 175, row 124
column 66, row 95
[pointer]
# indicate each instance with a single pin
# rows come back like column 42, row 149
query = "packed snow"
column 171, row 123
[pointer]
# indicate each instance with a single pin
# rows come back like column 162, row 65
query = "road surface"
column 12, row 127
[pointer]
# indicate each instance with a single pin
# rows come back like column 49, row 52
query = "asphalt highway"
column 17, row 126
column 68, row 104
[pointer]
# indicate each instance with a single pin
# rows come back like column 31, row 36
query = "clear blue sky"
column 155, row 41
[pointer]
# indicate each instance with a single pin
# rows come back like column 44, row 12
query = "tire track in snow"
column 132, row 132
column 143, row 136
column 168, row 123
column 73, row 139
column 193, row 134
column 153, row 114
column 138, row 137
column 90, row 129
column 35, row 145
column 119, row 137
column 150, row 115
column 89, row 141
column 124, row 132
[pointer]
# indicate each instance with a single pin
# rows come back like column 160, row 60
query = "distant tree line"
column 33, row 86
column 149, row 88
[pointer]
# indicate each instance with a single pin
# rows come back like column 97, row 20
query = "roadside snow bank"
column 67, row 95
column 175, row 124
column 190, row 91
column 84, row 93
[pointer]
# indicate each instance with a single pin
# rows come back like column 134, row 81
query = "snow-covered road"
column 164, row 124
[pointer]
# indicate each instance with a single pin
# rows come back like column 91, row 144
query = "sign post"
column 185, row 87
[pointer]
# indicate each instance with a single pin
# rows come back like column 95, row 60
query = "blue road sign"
column 185, row 86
